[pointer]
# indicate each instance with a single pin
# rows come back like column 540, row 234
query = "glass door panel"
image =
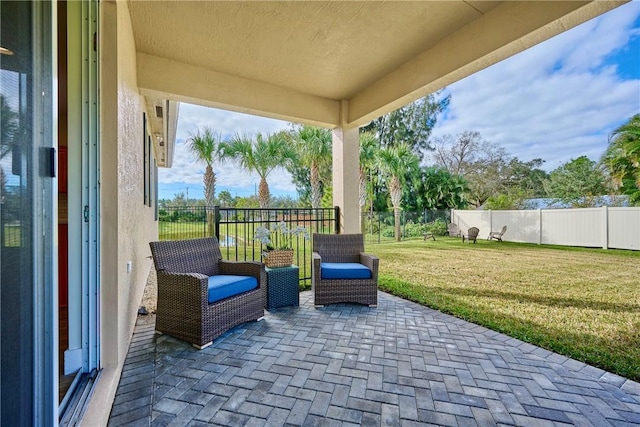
column 27, row 301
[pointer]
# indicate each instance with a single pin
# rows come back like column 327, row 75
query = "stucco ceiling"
column 300, row 60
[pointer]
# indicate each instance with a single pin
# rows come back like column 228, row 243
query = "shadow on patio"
column 397, row 364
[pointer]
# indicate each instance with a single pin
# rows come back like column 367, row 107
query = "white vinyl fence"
column 604, row 227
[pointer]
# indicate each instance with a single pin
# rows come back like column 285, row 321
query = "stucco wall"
column 136, row 225
column 127, row 224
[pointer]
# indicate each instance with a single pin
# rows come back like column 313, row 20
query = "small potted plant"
column 279, row 243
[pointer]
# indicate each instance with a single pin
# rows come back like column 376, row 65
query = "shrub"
column 413, row 230
column 438, row 227
column 387, row 231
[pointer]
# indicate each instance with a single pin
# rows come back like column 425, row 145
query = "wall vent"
column 158, row 111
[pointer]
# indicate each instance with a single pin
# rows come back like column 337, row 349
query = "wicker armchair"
column 343, row 248
column 184, row 311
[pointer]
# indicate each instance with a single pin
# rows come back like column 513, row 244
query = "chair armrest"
column 316, row 259
column 371, row 261
column 184, row 289
column 244, row 268
column 187, row 277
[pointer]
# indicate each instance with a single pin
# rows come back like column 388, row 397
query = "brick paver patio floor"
column 397, row 364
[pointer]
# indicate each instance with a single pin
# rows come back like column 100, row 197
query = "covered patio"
column 336, row 65
column 398, row 364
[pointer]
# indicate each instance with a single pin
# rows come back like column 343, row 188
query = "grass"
column 582, row 303
column 12, row 235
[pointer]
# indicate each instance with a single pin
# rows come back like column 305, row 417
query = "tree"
column 487, row 167
column 369, row 147
column 512, row 199
column 261, row 155
column 577, row 182
column 396, row 163
column 622, row 158
column 411, row 124
column 434, row 188
column 313, row 149
column 457, row 153
column 226, row 199
column 526, row 178
column 8, row 129
column 250, row 202
column 8, row 125
column 204, row 145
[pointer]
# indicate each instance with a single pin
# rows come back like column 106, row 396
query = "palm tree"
column 396, row 163
column 8, row 129
column 369, row 147
column 8, row 126
column 204, row 145
column 622, row 157
column 261, row 156
column 313, row 147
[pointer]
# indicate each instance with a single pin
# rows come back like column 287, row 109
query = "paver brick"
column 255, row 409
column 231, row 419
column 453, row 408
column 340, row 395
column 300, row 393
column 347, row 365
column 236, row 400
column 299, row 412
column 281, row 384
column 320, row 404
column 131, row 405
column 210, row 409
column 344, row 414
column 170, row 406
column 436, row 418
column 390, row 415
column 546, row 413
column 130, row 418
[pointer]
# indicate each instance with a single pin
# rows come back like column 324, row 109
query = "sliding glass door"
column 27, row 216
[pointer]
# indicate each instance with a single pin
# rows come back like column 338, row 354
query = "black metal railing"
column 235, row 229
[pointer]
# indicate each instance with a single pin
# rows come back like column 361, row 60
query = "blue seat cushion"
column 344, row 270
column 224, row 286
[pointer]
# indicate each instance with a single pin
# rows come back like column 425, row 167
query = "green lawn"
column 12, row 235
column 583, row 303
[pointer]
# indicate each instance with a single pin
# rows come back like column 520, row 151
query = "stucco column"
column 346, row 157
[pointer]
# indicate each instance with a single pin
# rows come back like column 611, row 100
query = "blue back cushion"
column 344, row 270
column 222, row 286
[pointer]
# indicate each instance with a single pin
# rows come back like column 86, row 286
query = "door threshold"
column 75, row 402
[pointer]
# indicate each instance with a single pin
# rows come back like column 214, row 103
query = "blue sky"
column 557, row 101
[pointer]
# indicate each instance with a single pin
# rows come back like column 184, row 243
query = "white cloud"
column 194, row 117
column 187, row 170
column 557, row 100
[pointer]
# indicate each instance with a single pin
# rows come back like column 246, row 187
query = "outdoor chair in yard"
column 453, row 230
column 342, row 272
column 497, row 234
column 428, row 234
column 200, row 295
column 472, row 235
